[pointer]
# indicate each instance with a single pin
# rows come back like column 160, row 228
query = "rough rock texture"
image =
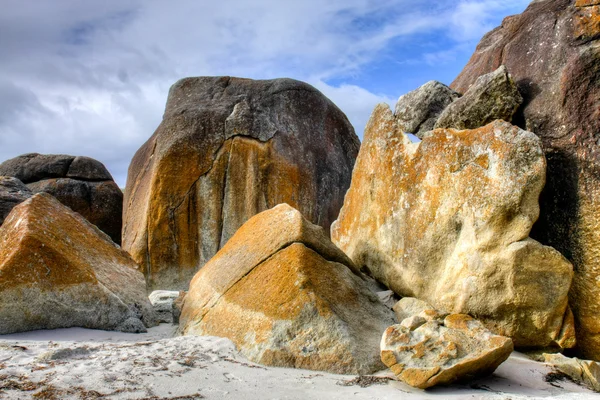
column 227, row 149
column 581, row 371
column 553, row 54
column 439, row 351
column 12, row 192
column 409, row 306
column 419, row 110
column 163, row 303
column 81, row 183
column 286, row 296
column 447, row 220
column 493, row 96
column 59, row 271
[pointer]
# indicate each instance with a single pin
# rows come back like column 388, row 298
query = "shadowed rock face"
column 81, row 183
column 12, row 192
column 287, row 297
column 553, row 54
column 447, row 221
column 58, row 271
column 227, row 149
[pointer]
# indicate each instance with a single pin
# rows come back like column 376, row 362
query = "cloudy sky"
column 91, row 77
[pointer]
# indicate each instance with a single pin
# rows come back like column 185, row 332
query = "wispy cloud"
column 92, row 77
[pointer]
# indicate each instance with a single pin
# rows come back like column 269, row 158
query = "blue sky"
column 91, row 78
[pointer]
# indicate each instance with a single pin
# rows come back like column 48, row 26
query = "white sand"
column 87, row 364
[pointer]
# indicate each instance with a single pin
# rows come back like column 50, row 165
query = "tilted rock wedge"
column 493, row 96
column 286, row 296
column 59, row 271
column 227, row 149
column 439, row 351
column 447, row 220
column 552, row 51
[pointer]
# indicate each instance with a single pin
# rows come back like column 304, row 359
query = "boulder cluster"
column 255, row 214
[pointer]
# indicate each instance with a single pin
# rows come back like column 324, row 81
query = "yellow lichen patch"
column 587, row 22
column 418, row 377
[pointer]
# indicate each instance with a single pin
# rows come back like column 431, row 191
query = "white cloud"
column 91, row 78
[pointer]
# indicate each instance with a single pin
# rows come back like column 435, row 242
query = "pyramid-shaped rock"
column 286, row 296
column 57, row 271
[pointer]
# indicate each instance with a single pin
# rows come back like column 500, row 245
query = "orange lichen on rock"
column 447, row 220
column 227, row 149
column 440, row 350
column 57, row 270
column 286, row 296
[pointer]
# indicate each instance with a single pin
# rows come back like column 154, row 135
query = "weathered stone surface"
column 493, row 96
column 227, row 149
column 447, row 220
column 556, row 66
column 581, row 371
column 409, row 307
column 59, row 271
column 12, row 192
column 163, row 303
column 419, row 110
column 286, row 296
column 426, row 353
column 81, row 183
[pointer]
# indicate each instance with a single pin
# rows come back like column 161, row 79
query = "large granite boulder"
column 419, row 110
column 493, row 96
column 59, row 271
column 553, row 54
column 81, row 183
column 430, row 348
column 12, row 192
column 287, row 297
column 227, row 149
column 447, row 221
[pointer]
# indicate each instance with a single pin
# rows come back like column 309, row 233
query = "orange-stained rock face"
column 553, row 54
column 59, row 271
column 227, row 149
column 447, row 220
column 286, row 296
column 441, row 351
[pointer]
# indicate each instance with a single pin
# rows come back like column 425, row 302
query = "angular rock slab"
column 553, row 54
column 287, row 297
column 582, row 371
column 227, row 149
column 419, row 110
column 493, row 96
column 12, row 192
column 59, row 271
column 447, row 220
column 81, row 183
column 440, row 352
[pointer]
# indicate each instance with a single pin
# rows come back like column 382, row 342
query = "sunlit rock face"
column 288, row 297
column 553, row 54
column 59, row 271
column 447, row 220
